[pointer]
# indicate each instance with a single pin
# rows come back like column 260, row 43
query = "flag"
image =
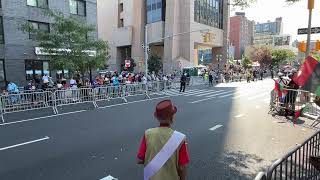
column 300, row 112
column 278, row 87
column 318, row 91
column 308, row 76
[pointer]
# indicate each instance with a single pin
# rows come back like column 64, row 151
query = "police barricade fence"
column 17, row 102
column 33, row 100
column 297, row 163
column 73, row 96
column 289, row 101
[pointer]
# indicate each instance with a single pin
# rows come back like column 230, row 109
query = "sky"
column 293, row 16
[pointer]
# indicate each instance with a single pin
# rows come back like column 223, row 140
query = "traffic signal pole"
column 310, row 7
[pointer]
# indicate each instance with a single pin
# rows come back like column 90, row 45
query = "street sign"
column 127, row 63
column 314, row 30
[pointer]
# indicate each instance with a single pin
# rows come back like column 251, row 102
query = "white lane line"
column 25, row 143
column 221, row 93
column 188, row 93
column 201, row 100
column 208, row 93
column 239, row 116
column 44, row 117
column 56, row 115
column 209, row 97
column 109, row 178
column 215, row 127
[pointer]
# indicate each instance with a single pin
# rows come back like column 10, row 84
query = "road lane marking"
column 221, row 93
column 228, row 95
column 208, row 93
column 215, row 127
column 209, row 97
column 25, row 143
column 109, row 178
column 239, row 116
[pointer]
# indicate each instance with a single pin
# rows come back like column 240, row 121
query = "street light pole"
column 146, row 48
column 310, row 7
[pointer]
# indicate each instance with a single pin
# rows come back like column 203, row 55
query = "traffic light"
column 302, row 46
column 317, row 48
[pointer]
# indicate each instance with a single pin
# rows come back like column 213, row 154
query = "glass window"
column 43, row 3
column 1, row 32
column 208, row 12
column 45, row 27
column 2, row 74
column 32, row 3
column 81, row 8
column 77, row 7
column 38, row 3
column 154, row 10
column 73, row 6
column 36, row 69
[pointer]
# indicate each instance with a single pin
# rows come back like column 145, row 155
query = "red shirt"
column 183, row 151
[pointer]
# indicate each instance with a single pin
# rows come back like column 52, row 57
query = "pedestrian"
column 261, row 74
column 183, row 81
column 163, row 151
column 210, row 79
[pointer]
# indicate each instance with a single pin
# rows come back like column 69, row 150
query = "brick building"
column 241, row 33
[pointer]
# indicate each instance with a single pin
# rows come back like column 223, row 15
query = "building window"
column 1, row 32
column 121, row 23
column 77, row 7
column 35, row 69
column 44, row 27
column 38, row 3
column 209, row 12
column 2, row 71
column 121, row 7
column 154, row 11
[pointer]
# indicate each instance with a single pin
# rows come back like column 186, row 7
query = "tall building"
column 241, row 33
column 19, row 60
column 270, row 33
column 122, row 23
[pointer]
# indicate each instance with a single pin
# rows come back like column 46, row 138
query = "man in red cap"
column 163, row 151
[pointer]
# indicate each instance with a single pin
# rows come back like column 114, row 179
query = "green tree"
column 246, row 62
column 154, row 63
column 69, row 45
column 281, row 56
column 261, row 54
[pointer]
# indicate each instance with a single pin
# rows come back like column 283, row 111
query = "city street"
column 229, row 132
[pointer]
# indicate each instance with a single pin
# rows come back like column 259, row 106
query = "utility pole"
column 146, row 49
column 310, row 7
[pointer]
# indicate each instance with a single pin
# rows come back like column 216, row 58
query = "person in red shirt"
column 157, row 137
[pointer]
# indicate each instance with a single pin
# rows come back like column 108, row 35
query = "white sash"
column 165, row 153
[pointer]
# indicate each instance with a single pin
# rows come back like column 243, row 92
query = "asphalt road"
column 230, row 136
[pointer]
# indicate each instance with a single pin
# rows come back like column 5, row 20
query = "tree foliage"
column 260, row 54
column 68, row 42
column 246, row 62
column 281, row 56
column 154, row 63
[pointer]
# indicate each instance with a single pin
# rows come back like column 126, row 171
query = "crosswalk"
column 249, row 94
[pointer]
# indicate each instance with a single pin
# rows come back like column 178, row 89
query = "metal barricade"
column 134, row 90
column 108, row 93
column 73, row 96
column 261, row 176
column 288, row 101
column 296, row 164
column 17, row 102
